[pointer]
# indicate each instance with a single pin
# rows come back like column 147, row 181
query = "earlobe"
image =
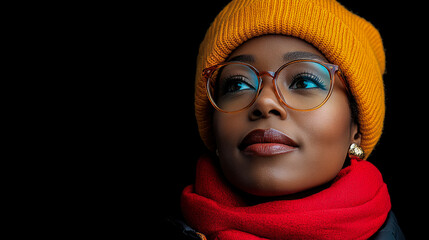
column 355, row 135
column 355, row 151
column 357, row 138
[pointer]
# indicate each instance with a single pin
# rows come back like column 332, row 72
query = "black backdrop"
column 166, row 161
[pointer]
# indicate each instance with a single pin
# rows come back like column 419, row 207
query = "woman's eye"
column 303, row 83
column 306, row 81
column 234, row 85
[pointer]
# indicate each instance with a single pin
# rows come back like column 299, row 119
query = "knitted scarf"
column 354, row 206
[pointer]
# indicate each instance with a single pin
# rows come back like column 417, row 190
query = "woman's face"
column 315, row 143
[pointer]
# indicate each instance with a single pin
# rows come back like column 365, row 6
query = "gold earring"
column 356, row 152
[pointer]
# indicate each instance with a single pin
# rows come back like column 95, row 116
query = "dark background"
column 171, row 36
column 104, row 133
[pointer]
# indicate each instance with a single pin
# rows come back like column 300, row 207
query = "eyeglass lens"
column 301, row 85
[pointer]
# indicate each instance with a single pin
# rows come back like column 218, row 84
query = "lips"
column 267, row 142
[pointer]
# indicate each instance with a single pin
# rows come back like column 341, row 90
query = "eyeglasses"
column 302, row 85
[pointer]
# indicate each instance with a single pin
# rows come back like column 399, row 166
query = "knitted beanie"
column 345, row 39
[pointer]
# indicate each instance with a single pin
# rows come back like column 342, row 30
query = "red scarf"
column 355, row 206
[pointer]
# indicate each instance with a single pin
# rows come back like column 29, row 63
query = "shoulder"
column 178, row 230
column 390, row 230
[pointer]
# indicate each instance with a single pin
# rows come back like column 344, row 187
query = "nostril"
column 257, row 113
column 274, row 112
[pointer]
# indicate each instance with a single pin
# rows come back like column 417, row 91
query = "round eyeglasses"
column 302, row 85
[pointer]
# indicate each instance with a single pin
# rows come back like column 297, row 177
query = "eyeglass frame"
column 332, row 68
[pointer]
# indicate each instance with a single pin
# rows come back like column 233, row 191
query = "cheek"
column 326, row 134
column 227, row 130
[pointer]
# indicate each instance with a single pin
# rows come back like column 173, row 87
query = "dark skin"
column 323, row 135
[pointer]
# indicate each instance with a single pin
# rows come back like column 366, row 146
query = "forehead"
column 276, row 48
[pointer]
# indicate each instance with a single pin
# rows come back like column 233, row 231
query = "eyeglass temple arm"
column 343, row 80
column 207, row 72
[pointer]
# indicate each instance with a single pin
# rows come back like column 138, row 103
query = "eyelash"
column 226, row 82
column 314, row 78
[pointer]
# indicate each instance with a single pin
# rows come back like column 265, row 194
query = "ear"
column 355, row 136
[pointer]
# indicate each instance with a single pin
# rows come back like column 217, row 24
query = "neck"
column 252, row 200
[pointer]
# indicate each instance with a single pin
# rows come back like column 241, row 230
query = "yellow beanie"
column 345, row 39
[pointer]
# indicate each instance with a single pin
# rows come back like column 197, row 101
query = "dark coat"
column 389, row 231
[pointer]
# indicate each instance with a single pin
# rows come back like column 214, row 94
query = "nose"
column 267, row 104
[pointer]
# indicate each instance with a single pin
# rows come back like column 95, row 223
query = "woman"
column 290, row 100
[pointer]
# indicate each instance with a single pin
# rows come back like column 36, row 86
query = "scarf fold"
column 355, row 206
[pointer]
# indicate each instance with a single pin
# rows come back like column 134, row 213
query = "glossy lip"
column 267, row 142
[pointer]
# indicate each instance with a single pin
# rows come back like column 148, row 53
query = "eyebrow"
column 242, row 58
column 290, row 56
